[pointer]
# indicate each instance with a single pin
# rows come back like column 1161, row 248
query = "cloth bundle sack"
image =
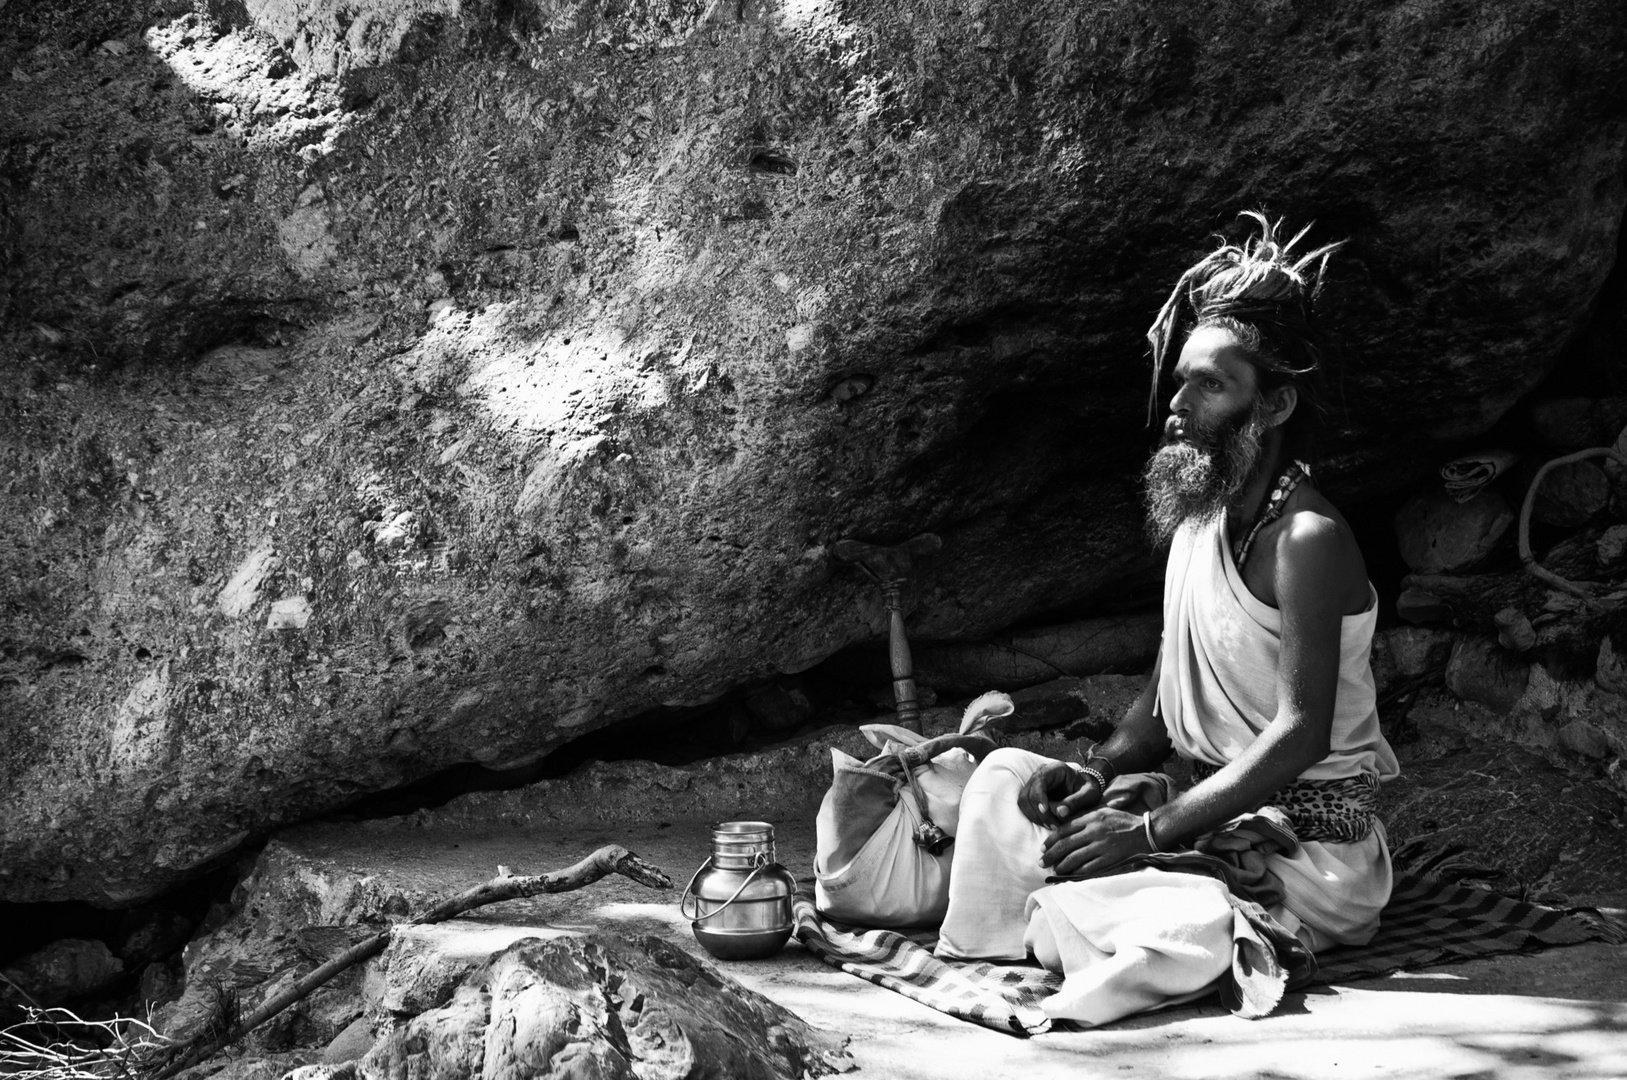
column 883, row 831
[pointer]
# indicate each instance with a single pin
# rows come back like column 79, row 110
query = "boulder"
column 1541, row 704
column 317, row 889
column 1570, row 494
column 1479, row 671
column 1049, row 705
column 1408, row 652
column 1421, row 606
column 157, row 985
column 1029, row 657
column 598, row 1006
column 1610, row 670
column 1612, row 545
column 351, row 1043
column 66, row 970
column 779, row 707
column 781, row 782
column 1436, row 533
column 402, row 386
column 1577, row 423
column 1581, row 737
column 1566, row 422
column 151, row 932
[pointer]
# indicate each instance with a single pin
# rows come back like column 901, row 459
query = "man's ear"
column 1280, row 403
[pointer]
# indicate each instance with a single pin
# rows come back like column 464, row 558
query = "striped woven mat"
column 1429, row 919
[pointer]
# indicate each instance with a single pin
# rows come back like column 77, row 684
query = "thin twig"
column 134, row 1045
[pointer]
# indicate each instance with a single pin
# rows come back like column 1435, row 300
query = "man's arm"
column 1057, row 792
column 1316, row 562
column 1140, row 742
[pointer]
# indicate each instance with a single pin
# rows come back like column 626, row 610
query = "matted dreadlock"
column 1264, row 293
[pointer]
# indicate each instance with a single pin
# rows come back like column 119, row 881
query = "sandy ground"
column 1556, row 1014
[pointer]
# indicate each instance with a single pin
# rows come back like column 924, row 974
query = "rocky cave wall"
column 395, row 385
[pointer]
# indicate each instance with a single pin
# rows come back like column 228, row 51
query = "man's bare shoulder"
column 1316, row 548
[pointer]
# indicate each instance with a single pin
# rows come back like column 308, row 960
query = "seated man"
column 1263, row 681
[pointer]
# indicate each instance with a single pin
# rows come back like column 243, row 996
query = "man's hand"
column 1094, row 843
column 1056, row 793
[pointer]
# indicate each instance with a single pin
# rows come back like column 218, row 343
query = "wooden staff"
column 890, row 568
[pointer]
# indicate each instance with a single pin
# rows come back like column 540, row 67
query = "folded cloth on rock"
column 1465, row 476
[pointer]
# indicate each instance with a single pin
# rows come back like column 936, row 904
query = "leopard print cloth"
column 1338, row 810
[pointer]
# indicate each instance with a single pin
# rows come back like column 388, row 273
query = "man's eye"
column 1211, row 384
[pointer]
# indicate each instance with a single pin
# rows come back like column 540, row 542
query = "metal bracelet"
column 1106, row 769
column 1152, row 841
column 1095, row 774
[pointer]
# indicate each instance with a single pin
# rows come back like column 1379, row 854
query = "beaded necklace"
column 1271, row 509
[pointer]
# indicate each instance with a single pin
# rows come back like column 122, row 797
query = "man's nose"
column 1181, row 403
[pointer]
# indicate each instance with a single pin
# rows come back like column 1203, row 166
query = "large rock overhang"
column 611, row 322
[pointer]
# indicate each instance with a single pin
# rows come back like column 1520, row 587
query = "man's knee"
column 1007, row 768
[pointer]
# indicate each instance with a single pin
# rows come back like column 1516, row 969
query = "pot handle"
column 763, row 863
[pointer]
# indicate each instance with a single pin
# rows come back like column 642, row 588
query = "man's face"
column 1212, row 445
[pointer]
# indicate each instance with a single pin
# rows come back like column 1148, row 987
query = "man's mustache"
column 1178, row 430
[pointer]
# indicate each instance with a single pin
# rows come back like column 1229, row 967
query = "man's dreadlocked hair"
column 1263, row 292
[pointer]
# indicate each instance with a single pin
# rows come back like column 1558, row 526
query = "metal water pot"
column 742, row 897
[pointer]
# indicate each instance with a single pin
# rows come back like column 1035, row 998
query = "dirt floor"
column 1556, row 1014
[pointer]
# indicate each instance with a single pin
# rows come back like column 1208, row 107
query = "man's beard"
column 1196, row 478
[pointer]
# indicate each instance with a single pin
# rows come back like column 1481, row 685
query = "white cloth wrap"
column 1217, row 691
column 1217, row 684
